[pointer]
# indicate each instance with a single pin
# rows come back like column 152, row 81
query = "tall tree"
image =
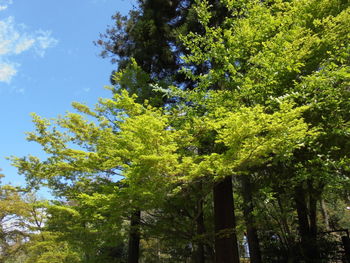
column 120, row 144
column 150, row 36
column 271, row 50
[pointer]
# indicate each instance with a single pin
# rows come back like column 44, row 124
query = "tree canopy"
column 228, row 120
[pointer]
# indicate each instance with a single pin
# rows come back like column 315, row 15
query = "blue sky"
column 47, row 61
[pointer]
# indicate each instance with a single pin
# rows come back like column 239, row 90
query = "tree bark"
column 346, row 245
column 300, row 203
column 226, row 246
column 200, row 233
column 307, row 232
column 313, row 214
column 314, row 196
column 248, row 208
column 287, row 236
column 325, row 214
column 134, row 238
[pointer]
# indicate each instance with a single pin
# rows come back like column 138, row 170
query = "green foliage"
column 270, row 102
column 47, row 248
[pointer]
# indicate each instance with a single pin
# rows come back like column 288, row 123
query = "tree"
column 47, row 248
column 21, row 222
column 14, row 225
column 240, row 139
column 129, row 140
column 270, row 50
column 150, row 36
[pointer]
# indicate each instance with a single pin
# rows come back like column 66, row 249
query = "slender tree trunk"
column 284, row 221
column 288, row 240
column 314, row 196
column 313, row 214
column 325, row 214
column 200, row 233
column 308, row 238
column 226, row 246
column 248, row 208
column 300, row 203
column 346, row 244
column 134, row 237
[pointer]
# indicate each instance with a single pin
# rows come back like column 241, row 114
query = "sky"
column 47, row 61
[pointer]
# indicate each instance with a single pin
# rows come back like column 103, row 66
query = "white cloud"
column 4, row 4
column 14, row 40
column 8, row 35
column 24, row 45
column 7, row 71
column 44, row 41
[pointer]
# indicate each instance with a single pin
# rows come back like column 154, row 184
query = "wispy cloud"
column 4, row 4
column 43, row 41
column 7, row 71
column 24, row 45
column 14, row 40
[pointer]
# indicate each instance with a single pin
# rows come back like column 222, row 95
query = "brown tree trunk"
column 325, row 214
column 134, row 238
column 287, row 236
column 313, row 215
column 248, row 208
column 346, row 245
column 226, row 246
column 307, row 233
column 314, row 196
column 300, row 203
column 200, row 233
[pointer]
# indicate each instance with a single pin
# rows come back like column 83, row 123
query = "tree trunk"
column 200, row 233
column 325, row 214
column 248, row 208
column 226, row 246
column 134, row 237
column 308, row 238
column 346, row 244
column 300, row 203
column 287, row 235
column 314, row 196
column 313, row 214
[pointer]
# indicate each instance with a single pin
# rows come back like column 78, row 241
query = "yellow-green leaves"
column 254, row 137
column 264, row 50
column 242, row 138
column 119, row 138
